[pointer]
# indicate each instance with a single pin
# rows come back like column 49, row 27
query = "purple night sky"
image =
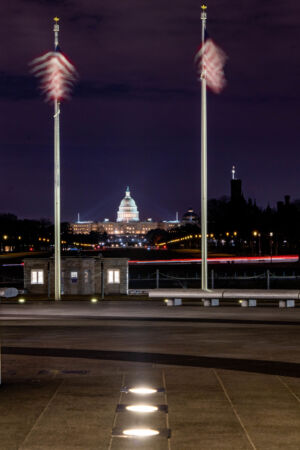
column 134, row 118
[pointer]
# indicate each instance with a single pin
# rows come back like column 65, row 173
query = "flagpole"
column 57, row 251
column 203, row 164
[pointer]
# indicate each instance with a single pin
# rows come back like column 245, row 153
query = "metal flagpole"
column 203, row 162
column 57, row 77
column 57, row 255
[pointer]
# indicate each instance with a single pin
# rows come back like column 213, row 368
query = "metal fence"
column 217, row 280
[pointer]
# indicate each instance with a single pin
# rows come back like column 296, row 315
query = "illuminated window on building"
column 37, row 276
column 74, row 277
column 113, row 276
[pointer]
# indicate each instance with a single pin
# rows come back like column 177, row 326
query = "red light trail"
column 226, row 260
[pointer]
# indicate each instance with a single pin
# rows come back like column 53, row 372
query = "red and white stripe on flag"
column 210, row 60
column 56, row 73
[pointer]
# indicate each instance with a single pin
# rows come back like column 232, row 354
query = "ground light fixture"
column 142, row 408
column 21, row 300
column 142, row 390
column 140, row 432
column 94, row 300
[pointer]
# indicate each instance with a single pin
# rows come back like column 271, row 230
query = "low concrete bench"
column 212, row 297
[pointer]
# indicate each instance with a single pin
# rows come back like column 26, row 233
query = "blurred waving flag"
column 210, row 61
column 57, row 75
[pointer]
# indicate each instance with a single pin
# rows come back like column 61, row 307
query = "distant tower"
column 236, row 187
column 233, row 173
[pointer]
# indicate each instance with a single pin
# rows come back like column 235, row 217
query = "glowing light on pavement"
column 142, row 391
column 140, row 432
column 142, row 408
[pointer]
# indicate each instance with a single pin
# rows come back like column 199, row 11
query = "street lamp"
column 258, row 235
column 271, row 234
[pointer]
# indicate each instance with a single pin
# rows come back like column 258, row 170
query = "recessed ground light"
column 94, row 300
column 142, row 408
column 121, row 408
column 140, row 432
column 21, row 300
column 142, row 391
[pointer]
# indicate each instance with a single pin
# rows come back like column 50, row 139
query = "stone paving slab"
column 268, row 410
column 50, row 402
column 20, row 406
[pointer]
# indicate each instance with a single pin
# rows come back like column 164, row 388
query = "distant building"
column 84, row 227
column 236, row 187
column 190, row 217
column 132, row 228
column 127, row 223
column 79, row 276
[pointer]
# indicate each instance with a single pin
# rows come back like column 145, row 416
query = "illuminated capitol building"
column 127, row 223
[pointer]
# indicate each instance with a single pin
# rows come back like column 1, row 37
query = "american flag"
column 56, row 73
column 210, row 60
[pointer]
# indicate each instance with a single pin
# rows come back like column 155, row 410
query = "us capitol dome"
column 127, row 228
column 128, row 211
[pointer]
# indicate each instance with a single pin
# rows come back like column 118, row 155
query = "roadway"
column 228, row 378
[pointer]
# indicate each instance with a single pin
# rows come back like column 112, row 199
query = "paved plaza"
column 223, row 378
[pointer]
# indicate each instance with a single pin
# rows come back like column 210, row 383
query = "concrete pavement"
column 228, row 378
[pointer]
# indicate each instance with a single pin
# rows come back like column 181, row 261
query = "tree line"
column 240, row 225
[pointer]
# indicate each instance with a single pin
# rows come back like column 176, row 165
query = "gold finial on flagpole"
column 56, row 30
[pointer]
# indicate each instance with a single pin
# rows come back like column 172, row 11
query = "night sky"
column 134, row 118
